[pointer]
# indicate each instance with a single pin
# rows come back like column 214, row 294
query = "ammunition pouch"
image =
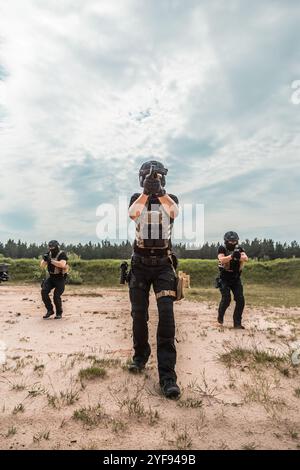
column 178, row 294
column 179, row 290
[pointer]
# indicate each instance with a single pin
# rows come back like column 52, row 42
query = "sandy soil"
column 44, row 404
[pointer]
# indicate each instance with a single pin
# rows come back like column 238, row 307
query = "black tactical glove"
column 46, row 257
column 153, row 186
column 236, row 254
column 161, row 192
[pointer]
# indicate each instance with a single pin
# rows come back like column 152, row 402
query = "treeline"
column 260, row 249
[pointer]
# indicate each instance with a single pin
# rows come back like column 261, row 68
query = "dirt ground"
column 64, row 384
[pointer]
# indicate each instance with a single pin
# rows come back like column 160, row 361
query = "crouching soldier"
column 231, row 260
column 55, row 261
column 153, row 263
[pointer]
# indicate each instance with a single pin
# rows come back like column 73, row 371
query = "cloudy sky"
column 89, row 89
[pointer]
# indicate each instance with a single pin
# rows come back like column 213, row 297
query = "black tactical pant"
column 226, row 286
column 162, row 278
column 56, row 282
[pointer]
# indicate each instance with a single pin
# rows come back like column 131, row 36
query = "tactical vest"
column 57, row 270
column 231, row 267
column 153, row 228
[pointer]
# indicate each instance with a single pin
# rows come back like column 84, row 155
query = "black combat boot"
column 170, row 388
column 48, row 314
column 239, row 327
column 136, row 366
column 58, row 316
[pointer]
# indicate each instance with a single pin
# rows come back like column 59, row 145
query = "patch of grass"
column 234, row 356
column 242, row 356
column 105, row 362
column 69, row 396
column 297, row 392
column 273, row 282
column 153, row 417
column 63, row 423
column 72, row 358
column 284, row 371
column 260, row 390
column 53, row 400
column 18, row 386
column 35, row 390
column 91, row 445
column 118, row 426
column 266, row 357
column 24, row 339
column 91, row 373
column 202, row 294
column 18, row 409
column 200, row 422
column 41, row 435
column 204, row 390
column 11, row 431
column 190, row 403
column 257, row 295
column 250, row 446
column 133, row 403
column 91, row 416
column 183, row 440
column 65, row 397
column 126, row 364
column 133, row 406
column 20, row 364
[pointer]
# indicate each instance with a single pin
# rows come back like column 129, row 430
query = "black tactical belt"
column 150, row 260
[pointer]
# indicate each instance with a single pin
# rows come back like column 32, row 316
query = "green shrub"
column 105, row 272
column 38, row 275
column 74, row 277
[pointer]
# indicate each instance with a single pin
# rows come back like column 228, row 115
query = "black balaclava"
column 53, row 246
column 231, row 237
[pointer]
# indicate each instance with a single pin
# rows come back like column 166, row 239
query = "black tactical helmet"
column 53, row 244
column 157, row 167
column 231, row 237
